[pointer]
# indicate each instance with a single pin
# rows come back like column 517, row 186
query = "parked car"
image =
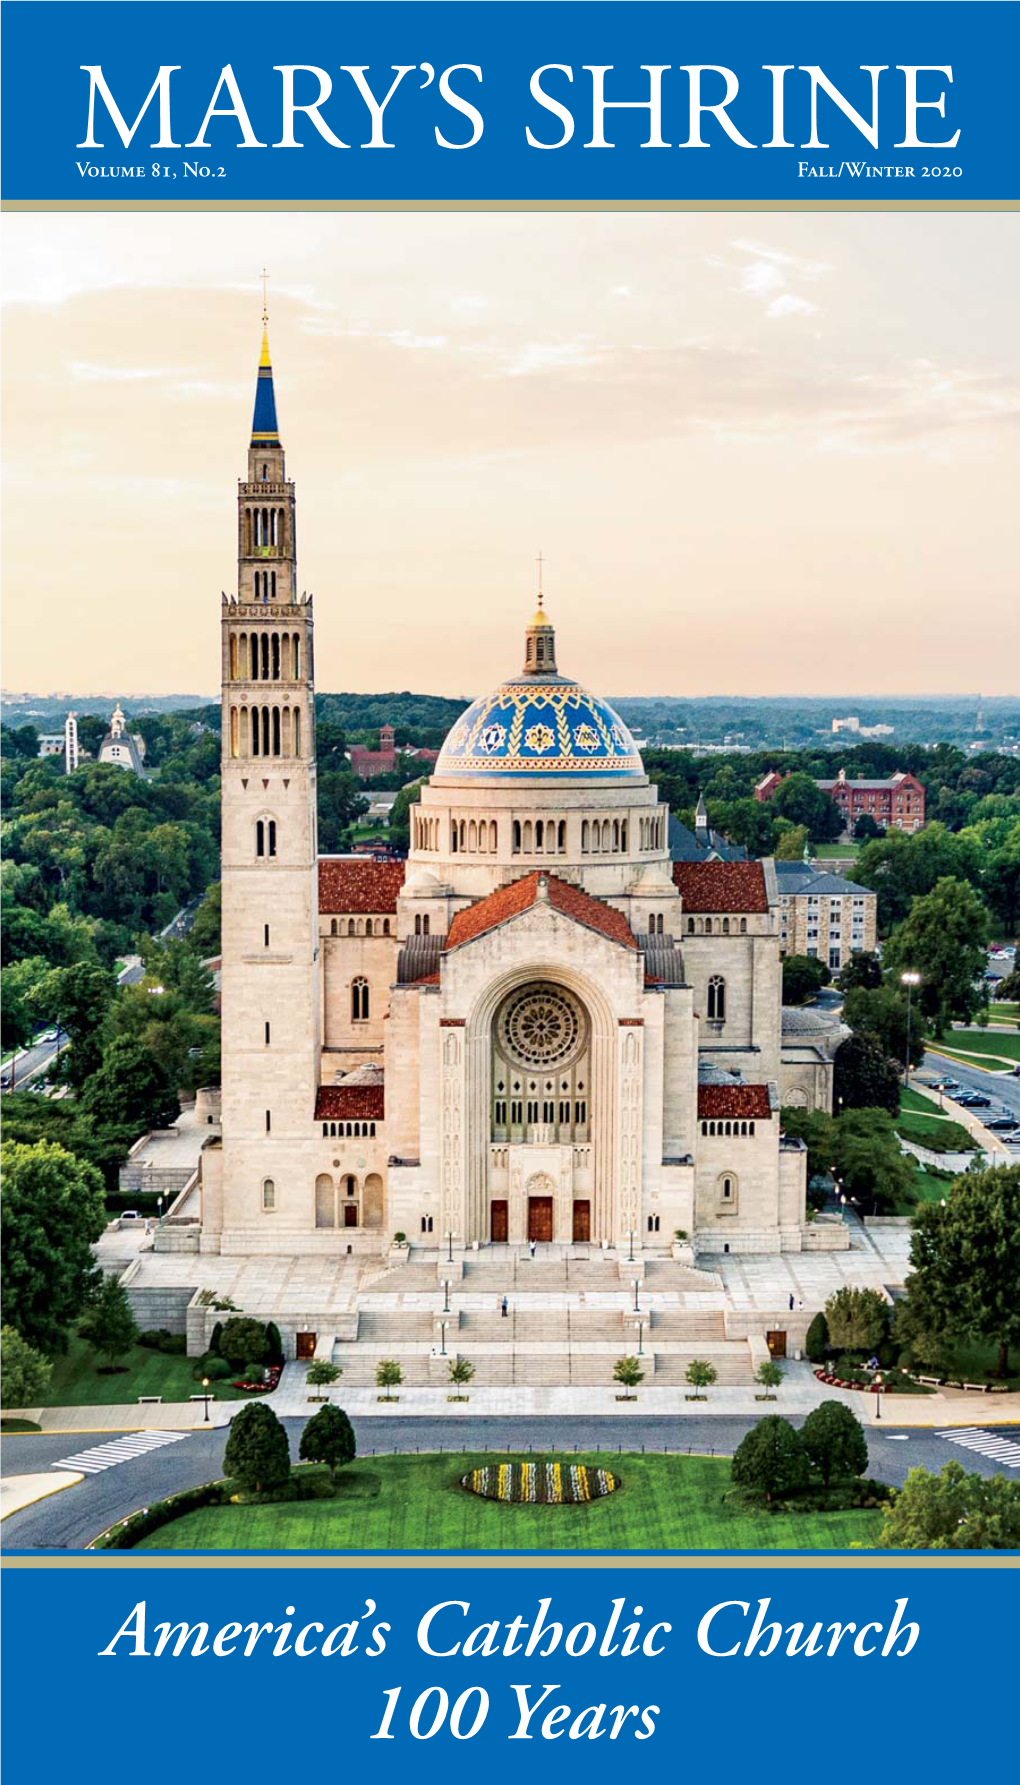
column 1004, row 1125
column 949, row 1085
column 974, row 1100
column 5, row 1082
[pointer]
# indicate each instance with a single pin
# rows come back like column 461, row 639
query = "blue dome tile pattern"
column 542, row 726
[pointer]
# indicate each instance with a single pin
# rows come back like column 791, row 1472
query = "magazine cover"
column 511, row 882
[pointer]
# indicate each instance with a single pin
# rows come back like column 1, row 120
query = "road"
column 1004, row 1092
column 69, row 1520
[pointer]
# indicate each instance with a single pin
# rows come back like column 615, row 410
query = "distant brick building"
column 896, row 803
column 369, row 763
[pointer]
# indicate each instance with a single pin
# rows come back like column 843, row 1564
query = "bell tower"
column 270, row 973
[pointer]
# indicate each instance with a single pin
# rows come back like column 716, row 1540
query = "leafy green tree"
column 700, row 1374
column 399, row 831
column 78, row 998
column 769, row 1374
column 771, row 1459
column 322, row 1374
column 857, row 1319
column 791, row 841
column 19, row 985
column 204, row 934
column 26, row 1373
column 881, row 1013
column 109, row 1325
column 1008, row 989
column 52, row 1215
column 329, row 1438
column 803, row 977
column 943, row 937
column 461, row 1370
column 862, row 971
column 257, row 1456
column 131, row 1089
column 953, row 1510
column 863, row 1078
column 816, row 1128
column 834, row 1440
column 866, row 828
column 628, row 1372
column 802, row 802
column 242, row 1339
column 817, row 1340
column 388, row 1375
column 965, row 1261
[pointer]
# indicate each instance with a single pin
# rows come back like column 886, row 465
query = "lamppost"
column 637, row 1282
column 449, row 1247
column 630, row 1254
column 878, row 1395
column 205, row 1391
column 641, row 1338
column 446, row 1296
column 442, row 1329
column 909, row 980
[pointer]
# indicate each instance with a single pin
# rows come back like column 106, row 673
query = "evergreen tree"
column 329, row 1438
column 257, row 1454
column 834, row 1440
column 109, row 1325
column 771, row 1459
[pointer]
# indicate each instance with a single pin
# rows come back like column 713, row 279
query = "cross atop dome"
column 540, row 637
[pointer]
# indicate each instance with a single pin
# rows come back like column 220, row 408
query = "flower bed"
column 894, row 1382
column 540, row 1484
column 265, row 1387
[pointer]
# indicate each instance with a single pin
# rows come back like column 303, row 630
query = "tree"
column 863, row 1078
column 834, row 1440
column 771, row 1459
column 388, row 1375
column 862, row 971
column 52, row 1215
column 243, row 1338
column 880, row 1012
column 802, row 801
column 399, row 830
column 78, row 998
column 329, row 1438
column 1008, row 989
column 700, row 1374
column 257, row 1454
column 791, row 842
column 870, row 1164
column 204, row 934
column 628, row 1372
column 953, row 1510
column 857, row 1319
column 461, row 1370
column 131, row 1089
column 943, row 937
column 866, row 828
column 803, row 976
column 274, row 1344
column 320, row 1375
column 816, row 1128
column 109, row 1325
column 770, row 1376
column 26, row 1373
column 965, row 1259
column 817, row 1340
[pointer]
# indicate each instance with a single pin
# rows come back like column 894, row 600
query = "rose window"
column 542, row 1028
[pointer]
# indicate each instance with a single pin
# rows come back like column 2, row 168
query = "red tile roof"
column 510, row 901
column 350, row 1103
column 359, row 886
column 721, row 886
column 750, row 1102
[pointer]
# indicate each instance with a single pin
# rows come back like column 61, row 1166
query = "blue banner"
column 508, row 101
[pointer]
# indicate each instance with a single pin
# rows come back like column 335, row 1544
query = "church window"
column 500, row 1112
column 743, row 926
column 233, row 657
column 325, row 1129
column 417, row 924
column 539, row 834
column 268, row 1195
column 350, row 1186
column 580, row 1112
column 267, row 1034
column 548, row 1111
column 717, row 999
column 296, row 658
column 564, row 1113
column 463, row 837
column 286, row 731
column 233, row 731
column 492, row 837
column 269, row 1121
column 690, row 926
column 359, row 1000
column 276, row 731
column 266, row 936
column 616, row 835
column 272, row 836
column 653, row 1223
column 528, row 839
column 265, row 474
column 750, row 1129
column 585, row 836
column 297, row 731
column 273, row 580
column 725, row 926
column 623, row 835
column 350, row 926
column 473, row 838
column 533, row 1109
column 517, row 836
column 516, row 1112
column 264, row 655
column 385, row 926
column 332, row 926
column 708, row 926
column 606, row 835
column 561, row 837
column 276, row 656
column 728, row 1190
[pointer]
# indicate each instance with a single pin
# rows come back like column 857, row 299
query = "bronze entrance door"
column 350, row 1214
column 582, row 1220
column 776, row 1343
column 498, row 1221
column 540, row 1217
column 305, row 1345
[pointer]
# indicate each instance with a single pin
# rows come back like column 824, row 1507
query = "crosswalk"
column 989, row 1444
column 118, row 1450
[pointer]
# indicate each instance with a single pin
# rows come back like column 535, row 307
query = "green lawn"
column 930, row 1185
column 415, row 1502
column 989, row 1049
column 77, row 1382
column 834, row 851
column 939, row 1134
column 1006, row 1013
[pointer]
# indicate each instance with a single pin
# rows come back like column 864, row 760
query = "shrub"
column 400, row 1239
column 817, row 1341
column 257, row 1453
column 216, row 1368
column 274, row 1344
column 173, row 1344
column 150, row 1339
column 254, row 1371
column 771, row 1460
column 834, row 1440
column 26, row 1373
column 242, row 1339
column 217, row 1334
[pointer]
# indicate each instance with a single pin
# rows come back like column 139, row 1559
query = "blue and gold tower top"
column 264, row 430
column 539, row 726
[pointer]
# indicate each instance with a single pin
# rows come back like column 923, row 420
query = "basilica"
column 539, row 1027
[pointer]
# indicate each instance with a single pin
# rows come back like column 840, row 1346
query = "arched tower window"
column 359, row 1000
column 717, row 999
column 260, row 838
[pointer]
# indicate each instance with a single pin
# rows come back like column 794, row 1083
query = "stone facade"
column 538, row 1027
column 825, row 915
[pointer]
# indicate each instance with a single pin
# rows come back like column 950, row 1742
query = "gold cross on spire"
column 265, row 296
column 540, row 561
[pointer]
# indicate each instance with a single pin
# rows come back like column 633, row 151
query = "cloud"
column 547, row 356
column 761, row 276
column 769, row 273
column 790, row 305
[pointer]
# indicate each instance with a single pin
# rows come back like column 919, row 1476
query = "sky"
column 759, row 453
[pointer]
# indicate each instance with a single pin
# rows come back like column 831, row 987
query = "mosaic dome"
column 540, row 726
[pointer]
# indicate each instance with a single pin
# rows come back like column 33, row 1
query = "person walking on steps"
column 532, row 1247
column 504, row 1307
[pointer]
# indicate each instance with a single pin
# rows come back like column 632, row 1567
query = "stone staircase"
column 570, row 1317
